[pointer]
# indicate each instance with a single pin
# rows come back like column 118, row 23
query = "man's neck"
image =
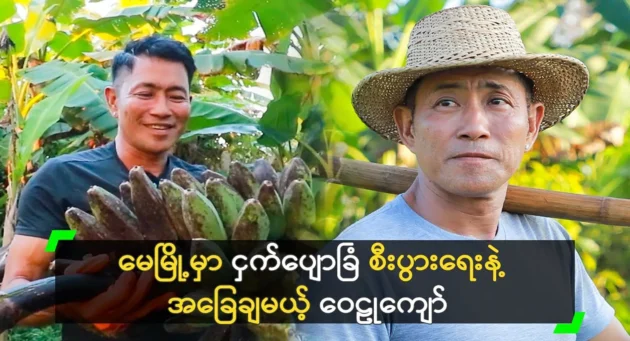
column 472, row 217
column 131, row 156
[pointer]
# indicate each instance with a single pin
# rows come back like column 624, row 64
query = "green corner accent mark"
column 573, row 327
column 56, row 236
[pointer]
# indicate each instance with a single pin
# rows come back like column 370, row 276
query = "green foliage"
column 41, row 117
column 64, row 10
column 7, row 9
column 57, row 76
column 616, row 12
column 48, row 333
column 277, row 18
column 243, row 61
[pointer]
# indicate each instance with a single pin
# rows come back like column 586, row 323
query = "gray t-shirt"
column 397, row 221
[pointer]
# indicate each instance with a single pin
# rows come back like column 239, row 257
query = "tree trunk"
column 13, row 188
column 8, row 227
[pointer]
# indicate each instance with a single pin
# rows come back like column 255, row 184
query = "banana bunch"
column 256, row 204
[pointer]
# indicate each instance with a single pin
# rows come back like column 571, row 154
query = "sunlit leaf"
column 43, row 115
column 17, row 34
column 208, row 63
column 64, row 45
column 205, row 111
column 589, row 262
column 367, row 5
column 279, row 122
column 529, row 13
column 536, row 36
column 58, row 75
column 5, row 90
column 337, row 98
column 7, row 9
column 132, row 3
column 222, row 129
column 607, row 98
column 277, row 17
column 39, row 29
column 123, row 22
column 64, row 10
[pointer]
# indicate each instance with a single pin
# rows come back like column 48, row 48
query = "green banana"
column 173, row 194
column 226, row 200
column 210, row 174
column 201, row 217
column 271, row 202
column 125, row 194
column 155, row 223
column 264, row 171
column 299, row 206
column 119, row 221
column 252, row 223
column 296, row 169
column 85, row 224
column 186, row 180
column 242, row 179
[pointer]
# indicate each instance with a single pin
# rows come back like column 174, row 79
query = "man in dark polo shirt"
column 150, row 97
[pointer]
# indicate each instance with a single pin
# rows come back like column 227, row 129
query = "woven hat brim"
column 560, row 82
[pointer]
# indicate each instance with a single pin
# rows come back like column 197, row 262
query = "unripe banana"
column 173, row 195
column 227, row 201
column 252, row 223
column 201, row 217
column 242, row 179
column 119, row 222
column 299, row 206
column 185, row 180
column 125, row 194
column 155, row 224
column 296, row 169
column 85, row 224
column 264, row 171
column 210, row 174
column 271, row 202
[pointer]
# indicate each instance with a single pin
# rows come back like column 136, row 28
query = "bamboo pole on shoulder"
column 523, row 200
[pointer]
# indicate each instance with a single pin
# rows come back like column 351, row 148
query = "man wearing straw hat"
column 469, row 104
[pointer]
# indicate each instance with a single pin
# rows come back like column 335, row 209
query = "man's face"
column 470, row 129
column 152, row 103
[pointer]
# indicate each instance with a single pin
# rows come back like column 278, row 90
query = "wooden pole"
column 394, row 179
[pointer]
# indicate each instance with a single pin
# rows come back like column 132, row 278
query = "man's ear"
column 110, row 96
column 404, row 123
column 535, row 117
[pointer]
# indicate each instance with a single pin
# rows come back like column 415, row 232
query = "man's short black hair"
column 154, row 46
column 410, row 96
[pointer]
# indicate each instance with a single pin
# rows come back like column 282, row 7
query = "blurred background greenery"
column 276, row 79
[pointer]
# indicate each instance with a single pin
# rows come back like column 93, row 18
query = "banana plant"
column 28, row 113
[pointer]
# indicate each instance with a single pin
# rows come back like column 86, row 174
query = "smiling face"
column 469, row 129
column 152, row 103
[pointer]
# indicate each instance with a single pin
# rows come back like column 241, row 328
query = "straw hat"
column 470, row 36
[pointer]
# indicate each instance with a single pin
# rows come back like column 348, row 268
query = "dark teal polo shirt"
column 61, row 183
